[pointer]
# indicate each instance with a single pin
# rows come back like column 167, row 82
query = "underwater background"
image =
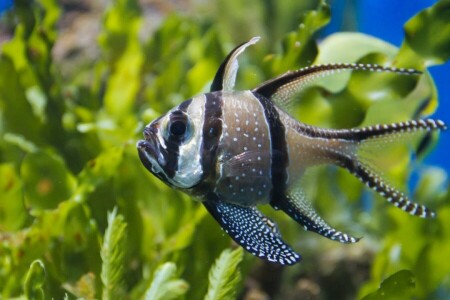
column 81, row 218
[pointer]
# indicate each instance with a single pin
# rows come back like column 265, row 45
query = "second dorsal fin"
column 226, row 74
column 282, row 88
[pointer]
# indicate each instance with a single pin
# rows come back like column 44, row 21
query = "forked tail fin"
column 359, row 144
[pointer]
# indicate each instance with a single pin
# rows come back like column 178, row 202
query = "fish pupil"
column 177, row 128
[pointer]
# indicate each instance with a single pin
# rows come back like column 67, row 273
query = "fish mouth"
column 148, row 153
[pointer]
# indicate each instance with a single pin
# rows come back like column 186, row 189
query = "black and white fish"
column 235, row 150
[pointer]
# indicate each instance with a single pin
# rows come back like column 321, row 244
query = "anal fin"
column 252, row 230
column 298, row 208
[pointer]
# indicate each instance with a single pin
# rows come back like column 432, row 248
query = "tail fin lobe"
column 393, row 128
column 369, row 142
column 392, row 195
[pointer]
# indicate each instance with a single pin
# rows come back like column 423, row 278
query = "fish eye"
column 178, row 127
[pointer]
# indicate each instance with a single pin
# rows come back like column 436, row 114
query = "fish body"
column 235, row 150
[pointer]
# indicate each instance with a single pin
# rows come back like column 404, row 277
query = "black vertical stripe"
column 212, row 130
column 279, row 156
column 173, row 143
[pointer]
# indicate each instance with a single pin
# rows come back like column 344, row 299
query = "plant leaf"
column 84, row 288
column 112, row 254
column 164, row 285
column 97, row 171
column 120, row 41
column 397, row 286
column 12, row 210
column 46, row 180
column 428, row 33
column 34, row 281
column 299, row 47
column 224, row 276
column 348, row 47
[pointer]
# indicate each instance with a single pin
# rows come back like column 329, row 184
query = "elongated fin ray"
column 363, row 171
column 394, row 128
column 392, row 195
column 282, row 89
column 373, row 131
column 299, row 208
column 226, row 74
column 252, row 230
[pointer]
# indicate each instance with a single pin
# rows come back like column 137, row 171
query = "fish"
column 236, row 150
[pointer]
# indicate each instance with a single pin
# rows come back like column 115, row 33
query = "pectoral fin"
column 299, row 208
column 252, row 230
column 226, row 74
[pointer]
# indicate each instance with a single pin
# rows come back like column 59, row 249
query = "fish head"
column 170, row 149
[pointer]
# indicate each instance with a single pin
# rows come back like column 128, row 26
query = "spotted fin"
column 226, row 74
column 282, row 89
column 252, row 230
column 299, row 208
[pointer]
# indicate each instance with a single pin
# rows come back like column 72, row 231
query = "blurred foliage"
column 397, row 286
column 67, row 156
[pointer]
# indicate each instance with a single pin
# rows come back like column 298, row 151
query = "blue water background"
column 5, row 5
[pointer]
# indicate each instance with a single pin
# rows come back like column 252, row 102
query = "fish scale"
column 234, row 150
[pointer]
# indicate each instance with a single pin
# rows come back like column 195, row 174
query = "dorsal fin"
column 282, row 88
column 226, row 74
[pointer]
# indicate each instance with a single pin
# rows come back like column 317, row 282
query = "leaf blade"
column 224, row 275
column 112, row 254
column 164, row 285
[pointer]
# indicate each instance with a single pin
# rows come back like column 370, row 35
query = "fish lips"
column 149, row 152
